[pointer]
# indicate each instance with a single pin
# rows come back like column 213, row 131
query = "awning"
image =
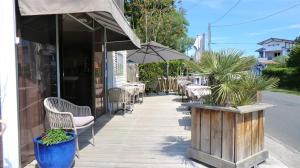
column 106, row 12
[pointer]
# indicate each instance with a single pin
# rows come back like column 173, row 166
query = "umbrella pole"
column 167, row 69
column 167, row 83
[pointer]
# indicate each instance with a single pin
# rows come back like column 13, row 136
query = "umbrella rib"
column 157, row 54
column 133, row 53
column 145, row 54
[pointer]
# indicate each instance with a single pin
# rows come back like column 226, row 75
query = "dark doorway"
column 76, row 62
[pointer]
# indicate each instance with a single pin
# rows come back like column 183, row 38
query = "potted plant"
column 56, row 148
column 228, row 128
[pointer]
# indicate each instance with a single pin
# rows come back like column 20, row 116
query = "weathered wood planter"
column 228, row 137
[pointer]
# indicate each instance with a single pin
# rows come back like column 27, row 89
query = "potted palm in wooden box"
column 228, row 128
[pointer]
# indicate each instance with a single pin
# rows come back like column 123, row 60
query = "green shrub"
column 151, row 71
column 54, row 136
column 294, row 57
column 289, row 77
column 281, row 60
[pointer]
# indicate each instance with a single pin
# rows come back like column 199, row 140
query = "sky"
column 246, row 36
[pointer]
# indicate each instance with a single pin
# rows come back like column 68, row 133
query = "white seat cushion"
column 84, row 120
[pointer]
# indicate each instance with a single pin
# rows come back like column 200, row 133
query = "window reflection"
column 36, row 55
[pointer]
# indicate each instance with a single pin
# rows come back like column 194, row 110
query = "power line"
column 226, row 13
column 260, row 18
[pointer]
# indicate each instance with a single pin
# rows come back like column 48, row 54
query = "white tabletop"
column 197, row 90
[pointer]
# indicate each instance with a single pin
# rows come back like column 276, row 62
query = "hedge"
column 151, row 71
column 289, row 77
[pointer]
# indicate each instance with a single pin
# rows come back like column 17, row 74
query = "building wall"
column 274, row 46
column 117, row 77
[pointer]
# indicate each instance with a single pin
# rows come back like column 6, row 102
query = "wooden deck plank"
column 205, row 131
column 254, row 146
column 239, row 137
column 216, row 133
column 228, row 136
column 156, row 134
column 248, row 133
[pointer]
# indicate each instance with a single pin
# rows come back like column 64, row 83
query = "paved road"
column 283, row 121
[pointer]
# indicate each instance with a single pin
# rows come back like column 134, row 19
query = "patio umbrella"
column 155, row 52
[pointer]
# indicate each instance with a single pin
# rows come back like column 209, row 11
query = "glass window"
column 119, row 63
column 36, row 56
column 276, row 54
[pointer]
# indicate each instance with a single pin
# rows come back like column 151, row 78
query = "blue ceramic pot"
column 60, row 155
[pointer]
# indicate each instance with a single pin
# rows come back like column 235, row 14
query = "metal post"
column 167, row 69
column 203, row 43
column 105, row 69
column 9, row 85
column 57, row 57
column 209, row 37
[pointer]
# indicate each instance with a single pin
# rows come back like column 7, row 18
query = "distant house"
column 270, row 49
column 274, row 47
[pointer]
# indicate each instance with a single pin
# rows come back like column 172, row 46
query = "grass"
column 294, row 92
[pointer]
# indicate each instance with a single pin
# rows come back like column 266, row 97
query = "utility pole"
column 203, row 43
column 209, row 37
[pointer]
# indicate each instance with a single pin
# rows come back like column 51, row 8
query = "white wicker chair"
column 118, row 96
column 66, row 115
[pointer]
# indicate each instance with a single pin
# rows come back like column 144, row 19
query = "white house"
column 274, row 47
column 271, row 48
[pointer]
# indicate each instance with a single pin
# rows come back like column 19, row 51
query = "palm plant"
column 232, row 83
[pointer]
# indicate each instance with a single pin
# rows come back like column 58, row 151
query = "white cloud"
column 273, row 30
column 294, row 26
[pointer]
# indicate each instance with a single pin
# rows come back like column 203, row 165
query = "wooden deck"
column 156, row 134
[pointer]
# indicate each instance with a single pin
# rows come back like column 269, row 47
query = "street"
column 283, row 120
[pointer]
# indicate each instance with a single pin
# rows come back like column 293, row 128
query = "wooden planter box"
column 228, row 137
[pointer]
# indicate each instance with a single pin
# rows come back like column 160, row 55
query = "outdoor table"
column 139, row 85
column 132, row 90
column 181, row 86
column 196, row 91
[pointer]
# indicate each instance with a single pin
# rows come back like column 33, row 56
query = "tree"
column 297, row 40
column 159, row 21
column 294, row 57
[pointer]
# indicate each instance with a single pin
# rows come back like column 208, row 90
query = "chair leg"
column 77, row 144
column 93, row 134
column 124, row 108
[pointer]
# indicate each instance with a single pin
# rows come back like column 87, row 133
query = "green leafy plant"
column 294, row 57
column 232, row 83
column 281, row 60
column 160, row 21
column 54, row 136
column 151, row 71
column 289, row 76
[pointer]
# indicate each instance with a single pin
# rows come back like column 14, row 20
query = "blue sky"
column 285, row 25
